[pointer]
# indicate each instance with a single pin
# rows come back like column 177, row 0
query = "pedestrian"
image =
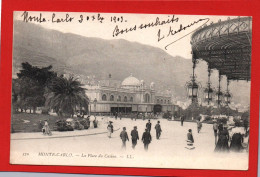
column 120, row 115
column 95, row 122
column 158, row 130
column 215, row 129
column 223, row 137
column 87, row 122
column 142, row 116
column 136, row 116
column 124, row 137
column 116, row 115
column 199, row 125
column 149, row 126
column 236, row 140
column 46, row 128
column 110, row 129
column 146, row 138
column 40, row 125
column 190, row 140
column 135, row 137
column 182, row 120
column 246, row 123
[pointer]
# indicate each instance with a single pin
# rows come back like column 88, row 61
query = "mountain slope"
column 71, row 53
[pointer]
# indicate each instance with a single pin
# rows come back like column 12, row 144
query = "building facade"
column 131, row 95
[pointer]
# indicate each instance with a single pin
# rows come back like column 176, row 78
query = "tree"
column 64, row 96
column 27, row 93
column 193, row 111
column 40, row 75
column 28, row 89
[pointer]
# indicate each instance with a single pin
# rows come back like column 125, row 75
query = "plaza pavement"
column 168, row 152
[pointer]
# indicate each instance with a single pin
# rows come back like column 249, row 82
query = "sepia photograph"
column 131, row 90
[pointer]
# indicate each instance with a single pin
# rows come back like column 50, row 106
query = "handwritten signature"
column 158, row 22
column 181, row 28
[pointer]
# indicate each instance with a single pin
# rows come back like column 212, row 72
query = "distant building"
column 131, row 95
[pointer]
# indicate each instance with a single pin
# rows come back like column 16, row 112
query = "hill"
column 85, row 56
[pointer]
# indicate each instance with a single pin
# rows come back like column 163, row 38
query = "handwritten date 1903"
column 116, row 19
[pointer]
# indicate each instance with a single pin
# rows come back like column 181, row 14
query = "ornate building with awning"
column 226, row 47
column 130, row 95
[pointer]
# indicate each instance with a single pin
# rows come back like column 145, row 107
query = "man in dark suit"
column 148, row 125
column 135, row 137
column 182, row 120
column 146, row 138
column 158, row 130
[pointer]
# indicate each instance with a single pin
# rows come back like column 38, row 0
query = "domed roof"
column 131, row 81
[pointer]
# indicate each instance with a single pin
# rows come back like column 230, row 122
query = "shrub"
column 167, row 115
column 208, row 118
column 63, row 126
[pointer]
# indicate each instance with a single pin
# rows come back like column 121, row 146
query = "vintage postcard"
column 131, row 90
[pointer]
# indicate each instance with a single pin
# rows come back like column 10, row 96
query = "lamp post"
column 219, row 94
column 208, row 91
column 193, row 88
column 227, row 95
column 192, row 85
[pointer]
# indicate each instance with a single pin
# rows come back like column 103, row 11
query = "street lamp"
column 193, row 90
column 208, row 91
column 192, row 85
column 227, row 95
column 219, row 94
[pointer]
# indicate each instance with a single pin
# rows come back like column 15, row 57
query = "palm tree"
column 64, row 95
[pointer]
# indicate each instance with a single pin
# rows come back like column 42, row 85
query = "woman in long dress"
column 236, row 140
column 223, row 137
column 46, row 127
column 199, row 125
column 190, row 140
column 109, row 129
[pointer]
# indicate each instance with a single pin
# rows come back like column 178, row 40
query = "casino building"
column 131, row 95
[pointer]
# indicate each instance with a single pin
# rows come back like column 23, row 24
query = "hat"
column 110, row 122
column 190, row 130
column 124, row 128
column 135, row 126
column 158, row 122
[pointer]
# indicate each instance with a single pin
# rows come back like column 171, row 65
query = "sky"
column 105, row 28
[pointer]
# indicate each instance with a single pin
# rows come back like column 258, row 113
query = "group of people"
column 146, row 137
column 226, row 141
column 137, row 115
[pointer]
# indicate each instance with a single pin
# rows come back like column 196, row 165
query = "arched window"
column 158, row 101
column 131, row 99
column 104, row 97
column 161, row 101
column 111, row 97
column 164, row 101
column 168, row 101
column 125, row 99
column 119, row 98
column 147, row 98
